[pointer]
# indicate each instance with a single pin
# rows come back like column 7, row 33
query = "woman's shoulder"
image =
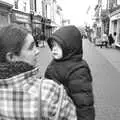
column 50, row 82
column 53, row 88
column 51, row 96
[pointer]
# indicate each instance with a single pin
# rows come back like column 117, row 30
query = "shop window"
column 115, row 22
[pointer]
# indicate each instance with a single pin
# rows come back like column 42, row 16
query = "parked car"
column 97, row 41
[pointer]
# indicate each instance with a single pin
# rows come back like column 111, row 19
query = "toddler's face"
column 57, row 52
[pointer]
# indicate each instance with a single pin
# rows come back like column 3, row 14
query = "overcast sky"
column 75, row 10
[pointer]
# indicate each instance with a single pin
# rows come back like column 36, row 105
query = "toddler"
column 69, row 68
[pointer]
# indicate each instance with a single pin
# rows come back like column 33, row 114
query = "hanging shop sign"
column 37, row 19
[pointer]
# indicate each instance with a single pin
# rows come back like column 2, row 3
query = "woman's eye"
column 32, row 46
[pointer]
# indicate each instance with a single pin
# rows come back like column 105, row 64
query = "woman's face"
column 29, row 51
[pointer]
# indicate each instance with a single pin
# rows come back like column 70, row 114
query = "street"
column 106, row 83
column 44, row 58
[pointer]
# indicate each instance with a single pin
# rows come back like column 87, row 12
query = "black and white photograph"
column 59, row 59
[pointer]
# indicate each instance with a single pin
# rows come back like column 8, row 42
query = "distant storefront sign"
column 115, row 17
column 19, row 17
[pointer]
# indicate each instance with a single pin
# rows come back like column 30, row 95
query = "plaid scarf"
column 19, row 98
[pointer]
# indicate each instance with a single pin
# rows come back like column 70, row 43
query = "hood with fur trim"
column 70, row 39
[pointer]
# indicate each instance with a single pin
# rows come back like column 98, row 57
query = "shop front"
column 21, row 18
column 5, row 10
column 46, row 27
column 36, row 22
column 115, row 28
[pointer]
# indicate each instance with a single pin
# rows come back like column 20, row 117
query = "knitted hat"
column 12, row 38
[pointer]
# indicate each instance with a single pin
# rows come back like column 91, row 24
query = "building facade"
column 32, row 14
column 97, row 27
column 107, row 20
column 115, row 22
column 5, row 12
column 115, row 26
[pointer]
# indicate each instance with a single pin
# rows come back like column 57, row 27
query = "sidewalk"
column 112, row 55
column 44, row 58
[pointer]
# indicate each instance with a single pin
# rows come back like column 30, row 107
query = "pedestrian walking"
column 69, row 68
column 22, row 94
column 114, row 35
column 111, row 40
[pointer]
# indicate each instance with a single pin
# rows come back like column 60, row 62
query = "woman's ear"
column 11, row 57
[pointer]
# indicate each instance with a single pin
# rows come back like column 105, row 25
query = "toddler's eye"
column 52, row 44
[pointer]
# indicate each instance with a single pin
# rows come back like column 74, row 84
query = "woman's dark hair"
column 11, row 40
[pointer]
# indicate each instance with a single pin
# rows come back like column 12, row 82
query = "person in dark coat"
column 69, row 68
column 111, row 40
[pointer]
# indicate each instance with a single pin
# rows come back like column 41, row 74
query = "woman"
column 19, row 85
